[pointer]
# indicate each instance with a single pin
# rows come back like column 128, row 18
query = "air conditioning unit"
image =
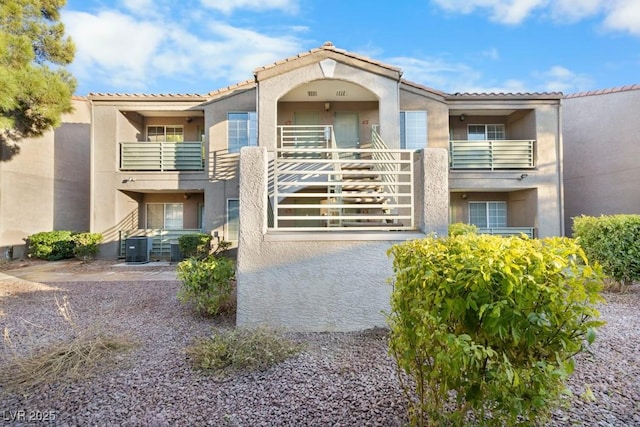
column 176, row 254
column 137, row 250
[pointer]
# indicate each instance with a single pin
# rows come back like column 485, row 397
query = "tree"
column 35, row 87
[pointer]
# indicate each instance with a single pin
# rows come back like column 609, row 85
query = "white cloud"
column 492, row 54
column 561, row 79
column 228, row 6
column 452, row 77
column 503, row 11
column 112, row 44
column 131, row 54
column 437, row 73
column 616, row 15
column 624, row 15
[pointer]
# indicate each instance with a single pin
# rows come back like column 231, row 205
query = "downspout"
column 560, row 170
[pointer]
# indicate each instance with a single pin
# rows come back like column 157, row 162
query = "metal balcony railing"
column 508, row 231
column 317, row 187
column 492, row 155
column 162, row 156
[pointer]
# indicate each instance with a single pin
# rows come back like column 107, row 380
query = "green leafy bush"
column 51, row 245
column 460, row 228
column 208, row 284
column 614, row 242
column 237, row 350
column 86, row 245
column 195, row 245
column 487, row 327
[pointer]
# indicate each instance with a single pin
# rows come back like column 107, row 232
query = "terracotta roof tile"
column 605, row 91
column 327, row 46
column 241, row 85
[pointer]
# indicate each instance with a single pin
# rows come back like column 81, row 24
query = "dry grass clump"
column 241, row 350
column 87, row 353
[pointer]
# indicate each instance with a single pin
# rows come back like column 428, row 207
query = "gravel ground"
column 340, row 379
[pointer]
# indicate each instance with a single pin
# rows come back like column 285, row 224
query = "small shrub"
column 196, row 245
column 460, row 228
column 86, row 245
column 486, row 327
column 208, row 284
column 614, row 242
column 241, row 350
column 51, row 245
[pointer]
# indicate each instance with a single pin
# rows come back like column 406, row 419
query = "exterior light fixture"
column 327, row 106
column 462, row 117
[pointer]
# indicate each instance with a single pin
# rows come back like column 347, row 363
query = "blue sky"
column 197, row 46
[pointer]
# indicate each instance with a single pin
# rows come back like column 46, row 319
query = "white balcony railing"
column 508, row 231
column 497, row 154
column 162, row 156
column 317, row 187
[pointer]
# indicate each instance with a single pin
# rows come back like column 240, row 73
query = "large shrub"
column 195, row 245
column 208, row 284
column 458, row 228
column 614, row 242
column 486, row 327
column 51, row 245
column 86, row 245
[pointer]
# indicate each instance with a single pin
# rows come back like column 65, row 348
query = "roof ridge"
column 328, row 45
column 617, row 89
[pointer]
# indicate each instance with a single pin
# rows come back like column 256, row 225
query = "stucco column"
column 436, row 191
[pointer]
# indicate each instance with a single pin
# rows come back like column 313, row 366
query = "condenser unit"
column 137, row 250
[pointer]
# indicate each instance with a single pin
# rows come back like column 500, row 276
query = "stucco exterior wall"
column 45, row 186
column 539, row 120
column 319, row 281
column 601, row 152
column 275, row 86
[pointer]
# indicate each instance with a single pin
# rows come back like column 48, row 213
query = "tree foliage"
column 35, row 87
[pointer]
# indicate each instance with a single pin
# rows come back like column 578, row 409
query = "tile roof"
column 247, row 84
column 329, row 46
column 506, row 94
column 149, row 96
column 604, row 91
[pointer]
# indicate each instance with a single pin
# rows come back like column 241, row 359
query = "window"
column 413, row 130
column 488, row 214
column 233, row 220
column 165, row 133
column 243, row 130
column 486, row 132
column 164, row 215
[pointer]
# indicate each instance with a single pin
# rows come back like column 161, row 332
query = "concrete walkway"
column 67, row 271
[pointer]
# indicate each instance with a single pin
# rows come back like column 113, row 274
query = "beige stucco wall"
column 274, row 86
column 118, row 198
column 601, row 152
column 45, row 186
column 320, row 281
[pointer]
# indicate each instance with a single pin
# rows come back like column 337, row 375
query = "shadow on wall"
column 223, row 165
column 8, row 150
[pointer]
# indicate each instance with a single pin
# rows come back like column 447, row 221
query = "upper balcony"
column 162, row 156
column 491, row 154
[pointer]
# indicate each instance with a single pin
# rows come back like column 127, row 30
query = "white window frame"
column 233, row 235
column 164, row 215
column 489, row 129
column 247, row 124
column 179, row 137
column 413, row 129
column 491, row 221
